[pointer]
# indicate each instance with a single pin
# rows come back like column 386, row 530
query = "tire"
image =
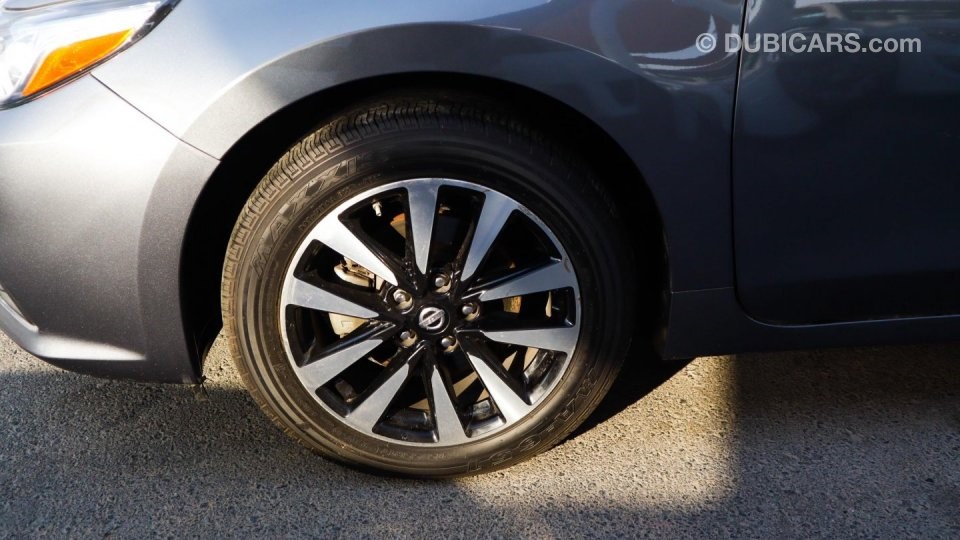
column 379, row 162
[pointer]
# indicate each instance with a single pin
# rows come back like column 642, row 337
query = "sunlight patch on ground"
column 672, row 449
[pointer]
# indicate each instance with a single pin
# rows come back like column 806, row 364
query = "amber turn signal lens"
column 73, row 58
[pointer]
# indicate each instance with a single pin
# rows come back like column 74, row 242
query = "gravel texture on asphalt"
column 861, row 442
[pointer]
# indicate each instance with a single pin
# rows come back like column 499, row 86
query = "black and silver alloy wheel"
column 428, row 286
column 427, row 348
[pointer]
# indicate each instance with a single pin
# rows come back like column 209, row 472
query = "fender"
column 670, row 112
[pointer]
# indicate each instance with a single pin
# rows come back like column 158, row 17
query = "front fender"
column 216, row 69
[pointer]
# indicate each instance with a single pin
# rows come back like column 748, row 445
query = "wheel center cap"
column 432, row 318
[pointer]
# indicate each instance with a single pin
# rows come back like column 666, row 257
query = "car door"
column 846, row 164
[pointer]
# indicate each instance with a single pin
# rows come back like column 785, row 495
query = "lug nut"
column 448, row 343
column 441, row 282
column 408, row 338
column 402, row 298
column 470, row 311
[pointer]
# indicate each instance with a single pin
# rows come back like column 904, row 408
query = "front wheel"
column 429, row 287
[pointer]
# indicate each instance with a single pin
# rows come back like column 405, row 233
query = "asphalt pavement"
column 861, row 442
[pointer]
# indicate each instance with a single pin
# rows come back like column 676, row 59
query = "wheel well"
column 245, row 164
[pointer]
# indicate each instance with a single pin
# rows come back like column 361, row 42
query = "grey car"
column 431, row 230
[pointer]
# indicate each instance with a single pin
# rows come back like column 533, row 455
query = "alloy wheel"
column 430, row 312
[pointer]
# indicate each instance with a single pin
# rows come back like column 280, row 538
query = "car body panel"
column 713, row 322
column 622, row 72
column 846, row 166
column 77, row 173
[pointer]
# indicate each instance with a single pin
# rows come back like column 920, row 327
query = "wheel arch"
column 244, row 164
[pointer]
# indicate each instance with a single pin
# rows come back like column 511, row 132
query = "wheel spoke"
column 371, row 409
column 496, row 210
column 449, row 427
column 510, row 404
column 561, row 339
column 320, row 371
column 422, row 205
column 335, row 235
column 555, row 275
column 303, row 294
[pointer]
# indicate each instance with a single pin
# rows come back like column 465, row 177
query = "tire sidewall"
column 565, row 202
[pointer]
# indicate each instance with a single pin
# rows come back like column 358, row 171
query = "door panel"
column 847, row 165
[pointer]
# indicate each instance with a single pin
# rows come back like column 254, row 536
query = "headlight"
column 44, row 43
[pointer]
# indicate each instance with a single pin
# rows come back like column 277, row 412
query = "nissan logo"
column 432, row 319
